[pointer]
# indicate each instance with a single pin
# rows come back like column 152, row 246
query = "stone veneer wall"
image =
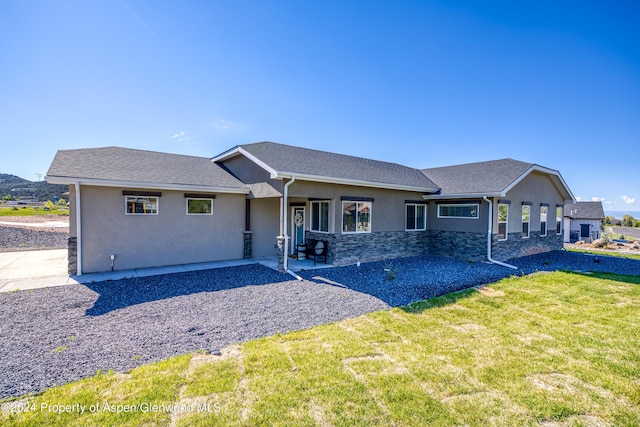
column 72, row 254
column 515, row 246
column 247, row 244
column 458, row 244
column 343, row 249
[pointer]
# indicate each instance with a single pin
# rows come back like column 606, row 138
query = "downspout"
column 78, row 231
column 504, row 264
column 285, row 208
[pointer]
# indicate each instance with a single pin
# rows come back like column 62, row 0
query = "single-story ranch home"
column 133, row 208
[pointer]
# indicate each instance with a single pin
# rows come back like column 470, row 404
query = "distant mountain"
column 43, row 190
column 6, row 178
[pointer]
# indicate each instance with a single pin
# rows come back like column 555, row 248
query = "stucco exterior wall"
column 265, row 225
column 467, row 225
column 169, row 238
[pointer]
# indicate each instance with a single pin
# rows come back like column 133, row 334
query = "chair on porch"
column 317, row 249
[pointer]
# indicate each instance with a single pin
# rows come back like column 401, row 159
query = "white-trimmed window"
column 320, row 216
column 416, row 214
column 503, row 220
column 526, row 219
column 198, row 206
column 544, row 210
column 141, row 205
column 459, row 210
column 559, row 220
column 356, row 217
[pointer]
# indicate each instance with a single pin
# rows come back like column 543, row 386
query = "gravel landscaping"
column 52, row 336
column 22, row 238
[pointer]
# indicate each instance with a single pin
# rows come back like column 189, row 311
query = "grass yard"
column 605, row 253
column 556, row 349
column 31, row 211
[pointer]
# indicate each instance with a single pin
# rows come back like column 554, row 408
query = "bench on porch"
column 316, row 249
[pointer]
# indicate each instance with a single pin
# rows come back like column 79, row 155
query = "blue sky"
column 421, row 83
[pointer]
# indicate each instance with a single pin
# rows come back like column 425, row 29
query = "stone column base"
column 72, row 255
column 248, row 235
column 281, row 253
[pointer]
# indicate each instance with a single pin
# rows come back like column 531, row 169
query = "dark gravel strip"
column 52, row 336
column 22, row 237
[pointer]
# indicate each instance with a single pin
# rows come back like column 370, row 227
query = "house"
column 582, row 221
column 135, row 208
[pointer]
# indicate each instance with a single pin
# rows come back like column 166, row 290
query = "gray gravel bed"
column 22, row 237
column 52, row 336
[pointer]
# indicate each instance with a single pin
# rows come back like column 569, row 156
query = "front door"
column 584, row 231
column 297, row 227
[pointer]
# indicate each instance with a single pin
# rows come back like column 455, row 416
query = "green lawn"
column 555, row 349
column 30, row 211
column 605, row 253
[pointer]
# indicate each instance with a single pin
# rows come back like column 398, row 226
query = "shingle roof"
column 584, row 210
column 304, row 161
column 482, row 177
column 140, row 166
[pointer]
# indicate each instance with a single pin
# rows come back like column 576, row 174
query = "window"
column 559, row 220
column 320, row 216
column 503, row 218
column 141, row 205
column 458, row 211
column 416, row 216
column 526, row 217
column 543, row 220
column 199, row 206
column 356, row 217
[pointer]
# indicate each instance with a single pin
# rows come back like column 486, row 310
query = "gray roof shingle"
column 584, row 210
column 482, row 177
column 305, row 161
column 140, row 166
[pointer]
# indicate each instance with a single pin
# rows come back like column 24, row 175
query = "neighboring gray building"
column 582, row 221
column 258, row 200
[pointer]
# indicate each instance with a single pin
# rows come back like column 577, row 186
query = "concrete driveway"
column 33, row 269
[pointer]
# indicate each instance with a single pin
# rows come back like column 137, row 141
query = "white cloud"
column 628, row 200
column 180, row 137
column 597, row 199
column 578, row 198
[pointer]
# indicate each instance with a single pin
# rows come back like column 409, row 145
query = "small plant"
column 61, row 348
column 137, row 357
column 546, row 262
column 388, row 269
column 71, row 337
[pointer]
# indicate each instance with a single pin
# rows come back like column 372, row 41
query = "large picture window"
column 559, row 220
column 199, row 206
column 141, row 205
column 320, row 216
column 503, row 220
column 469, row 210
column 544, row 210
column 526, row 218
column 416, row 215
column 356, row 217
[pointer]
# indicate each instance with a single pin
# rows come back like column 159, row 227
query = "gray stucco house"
column 582, row 221
column 259, row 200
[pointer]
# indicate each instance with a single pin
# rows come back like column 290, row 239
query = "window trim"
column 328, row 202
column 506, row 223
column 559, row 220
column 415, row 217
column 528, row 206
column 126, row 205
column 477, row 206
column 357, row 203
column 545, row 222
column 198, row 198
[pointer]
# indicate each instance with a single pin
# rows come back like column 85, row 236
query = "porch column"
column 281, row 253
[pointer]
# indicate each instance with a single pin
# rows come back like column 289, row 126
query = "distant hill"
column 620, row 214
column 43, row 190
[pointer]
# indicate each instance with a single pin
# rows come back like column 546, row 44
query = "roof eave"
column 146, row 185
column 450, row 196
column 354, row 182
